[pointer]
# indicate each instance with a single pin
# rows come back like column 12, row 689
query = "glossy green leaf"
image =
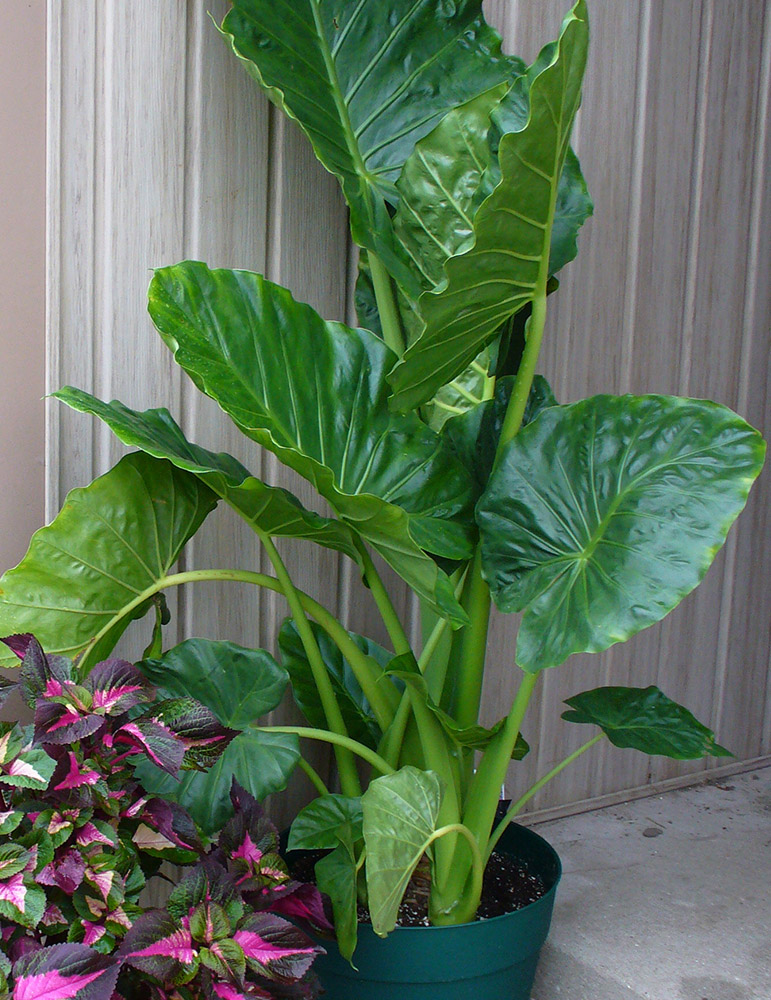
column 400, row 818
column 110, row 542
column 508, row 263
column 272, row 509
column 604, row 514
column 644, row 719
column 325, row 822
column 261, row 762
column 365, row 81
column 357, row 713
column 337, row 877
column 238, row 684
column 474, row 435
column 314, row 393
column 475, row 737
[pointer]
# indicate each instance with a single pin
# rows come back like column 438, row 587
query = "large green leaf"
column 644, row 719
column 337, row 876
column 261, row 762
column 326, row 822
column 400, row 818
column 273, row 510
column 508, row 264
column 238, row 684
column 314, row 393
column 365, row 81
column 357, row 713
column 474, row 435
column 110, row 542
column 604, row 514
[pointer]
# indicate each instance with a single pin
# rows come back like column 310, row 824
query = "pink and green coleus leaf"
column 302, row 903
column 31, row 769
column 70, row 773
column 166, row 826
column 9, row 821
column 226, row 960
column 160, row 945
column 63, row 722
column 207, row 882
column 65, row 972
column 13, row 859
column 274, row 948
column 21, row 900
column 40, row 675
column 155, row 741
column 116, row 686
column 204, row 736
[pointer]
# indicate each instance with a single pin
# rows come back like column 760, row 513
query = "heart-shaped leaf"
column 318, row 825
column 238, row 684
column 261, row 762
column 365, row 81
column 271, row 509
column 110, row 542
column 508, row 264
column 644, row 719
column 604, row 514
column 400, row 818
column 315, row 393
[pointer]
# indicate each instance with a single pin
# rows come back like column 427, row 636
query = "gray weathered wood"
column 161, row 148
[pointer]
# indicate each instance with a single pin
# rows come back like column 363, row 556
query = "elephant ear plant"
column 434, row 443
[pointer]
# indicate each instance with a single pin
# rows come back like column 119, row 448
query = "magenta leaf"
column 65, row 972
column 160, row 945
column 66, row 871
column 275, row 948
column 41, row 675
column 154, row 740
column 303, row 903
column 117, row 686
column 76, row 776
column 173, row 822
column 19, row 644
column 204, row 736
column 63, row 724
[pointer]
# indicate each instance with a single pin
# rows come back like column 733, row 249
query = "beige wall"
column 22, row 272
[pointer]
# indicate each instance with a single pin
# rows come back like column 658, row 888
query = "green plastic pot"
column 485, row 960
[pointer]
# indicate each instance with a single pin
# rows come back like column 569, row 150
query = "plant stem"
column 486, row 785
column 386, row 305
column 366, row 673
column 385, row 606
column 524, row 380
column 349, row 778
column 467, row 694
column 313, row 776
column 467, row 910
column 325, row 736
column 523, row 799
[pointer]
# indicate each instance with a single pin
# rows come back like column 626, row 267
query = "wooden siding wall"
column 161, row 149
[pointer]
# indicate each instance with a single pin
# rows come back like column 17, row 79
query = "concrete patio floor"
column 665, row 898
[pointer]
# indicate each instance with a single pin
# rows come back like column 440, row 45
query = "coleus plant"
column 433, row 441
column 79, row 838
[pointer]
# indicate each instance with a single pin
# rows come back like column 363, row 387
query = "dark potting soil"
column 507, row 886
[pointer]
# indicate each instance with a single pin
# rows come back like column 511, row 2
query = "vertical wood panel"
column 163, row 149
